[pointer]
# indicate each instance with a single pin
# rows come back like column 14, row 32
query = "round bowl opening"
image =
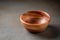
column 33, row 17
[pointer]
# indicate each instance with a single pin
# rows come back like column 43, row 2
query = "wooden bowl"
column 35, row 21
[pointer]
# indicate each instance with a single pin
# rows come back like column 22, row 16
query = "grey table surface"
column 11, row 27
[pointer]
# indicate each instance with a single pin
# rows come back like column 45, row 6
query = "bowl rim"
column 36, row 11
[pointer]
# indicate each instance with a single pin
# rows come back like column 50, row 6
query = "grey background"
column 11, row 27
